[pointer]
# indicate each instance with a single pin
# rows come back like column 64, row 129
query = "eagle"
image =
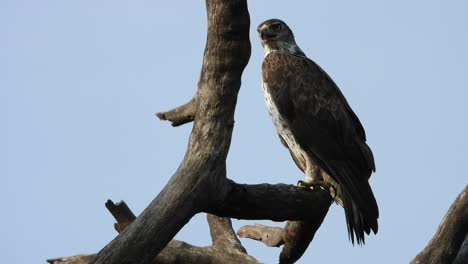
column 315, row 122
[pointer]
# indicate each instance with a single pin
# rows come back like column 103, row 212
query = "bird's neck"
column 289, row 47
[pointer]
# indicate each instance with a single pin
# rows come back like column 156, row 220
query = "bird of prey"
column 315, row 122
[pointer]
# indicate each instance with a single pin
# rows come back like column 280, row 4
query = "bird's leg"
column 313, row 179
column 332, row 190
column 317, row 178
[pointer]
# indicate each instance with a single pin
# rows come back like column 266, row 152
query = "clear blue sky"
column 80, row 80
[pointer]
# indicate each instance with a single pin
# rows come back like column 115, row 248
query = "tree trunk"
column 198, row 183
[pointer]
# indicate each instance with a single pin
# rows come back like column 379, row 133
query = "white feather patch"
column 280, row 125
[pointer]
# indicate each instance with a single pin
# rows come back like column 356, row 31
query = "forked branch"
column 198, row 181
column 295, row 236
column 277, row 202
column 226, row 248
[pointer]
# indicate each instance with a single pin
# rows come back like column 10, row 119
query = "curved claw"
column 306, row 185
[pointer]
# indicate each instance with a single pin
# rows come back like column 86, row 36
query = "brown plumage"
column 317, row 125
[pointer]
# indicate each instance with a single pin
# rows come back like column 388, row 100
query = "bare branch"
column 297, row 237
column 179, row 252
column 122, row 214
column 277, row 202
column 222, row 233
column 270, row 236
column 180, row 115
column 449, row 237
column 226, row 247
column 198, row 182
column 78, row 259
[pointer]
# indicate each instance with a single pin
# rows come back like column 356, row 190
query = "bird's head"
column 276, row 35
column 274, row 30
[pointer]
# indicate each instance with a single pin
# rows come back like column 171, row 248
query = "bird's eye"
column 276, row 27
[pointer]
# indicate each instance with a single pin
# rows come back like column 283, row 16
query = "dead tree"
column 200, row 183
column 448, row 246
column 450, row 242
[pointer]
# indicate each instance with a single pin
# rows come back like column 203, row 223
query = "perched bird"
column 315, row 122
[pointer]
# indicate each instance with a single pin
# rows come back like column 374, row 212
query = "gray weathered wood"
column 199, row 179
column 270, row 236
column 121, row 213
column 295, row 236
column 226, row 248
column 277, row 202
column 180, row 115
column 261, row 201
column 78, row 259
column 449, row 237
column 200, row 183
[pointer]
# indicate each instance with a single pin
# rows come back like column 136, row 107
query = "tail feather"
column 359, row 203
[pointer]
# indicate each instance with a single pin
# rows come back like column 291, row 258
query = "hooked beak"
column 265, row 35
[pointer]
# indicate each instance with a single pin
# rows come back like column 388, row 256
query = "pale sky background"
column 80, row 80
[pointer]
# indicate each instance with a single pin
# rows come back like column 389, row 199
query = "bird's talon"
column 302, row 184
column 306, row 185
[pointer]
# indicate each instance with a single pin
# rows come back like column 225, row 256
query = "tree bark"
column 180, row 115
column 448, row 239
column 462, row 256
column 262, row 201
column 449, row 244
column 277, row 202
column 295, row 236
column 198, row 183
column 226, row 248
